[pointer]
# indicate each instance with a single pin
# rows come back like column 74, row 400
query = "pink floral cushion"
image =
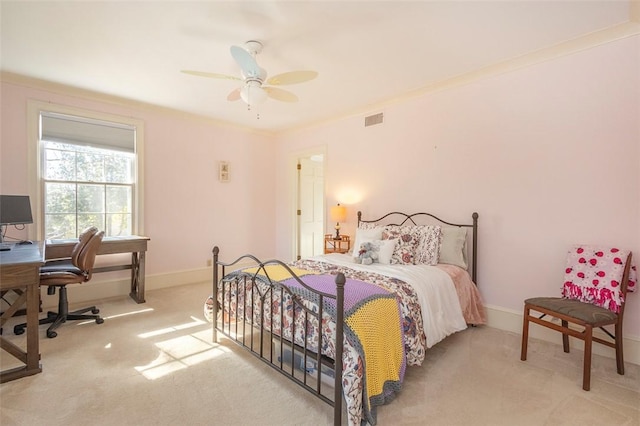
column 594, row 274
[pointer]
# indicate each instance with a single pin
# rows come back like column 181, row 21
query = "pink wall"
column 548, row 155
column 186, row 209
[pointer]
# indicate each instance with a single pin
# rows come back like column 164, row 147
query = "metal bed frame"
column 267, row 344
column 403, row 218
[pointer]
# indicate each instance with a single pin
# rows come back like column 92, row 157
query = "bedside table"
column 331, row 245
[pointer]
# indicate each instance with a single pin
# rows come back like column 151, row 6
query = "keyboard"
column 6, row 246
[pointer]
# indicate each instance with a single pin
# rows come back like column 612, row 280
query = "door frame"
column 295, row 196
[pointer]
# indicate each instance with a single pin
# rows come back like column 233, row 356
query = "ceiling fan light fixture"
column 252, row 93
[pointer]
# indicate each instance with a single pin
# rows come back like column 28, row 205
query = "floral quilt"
column 361, row 395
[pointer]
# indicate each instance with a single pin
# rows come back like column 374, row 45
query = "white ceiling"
column 367, row 53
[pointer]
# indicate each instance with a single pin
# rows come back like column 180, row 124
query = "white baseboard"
column 117, row 284
column 103, row 287
column 509, row 320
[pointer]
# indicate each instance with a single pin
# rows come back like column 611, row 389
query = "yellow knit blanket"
column 372, row 326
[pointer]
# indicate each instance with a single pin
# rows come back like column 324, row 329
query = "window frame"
column 35, row 161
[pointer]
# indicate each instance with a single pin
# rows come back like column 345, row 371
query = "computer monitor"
column 14, row 210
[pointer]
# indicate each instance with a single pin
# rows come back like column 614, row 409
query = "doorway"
column 310, row 205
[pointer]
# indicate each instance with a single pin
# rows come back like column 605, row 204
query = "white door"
column 311, row 206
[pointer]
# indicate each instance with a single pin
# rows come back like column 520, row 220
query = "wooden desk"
column 20, row 271
column 136, row 245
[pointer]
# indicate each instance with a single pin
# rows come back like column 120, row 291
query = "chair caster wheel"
column 95, row 311
column 18, row 330
column 51, row 334
column 99, row 320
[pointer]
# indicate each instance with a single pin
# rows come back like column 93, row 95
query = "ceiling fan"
column 256, row 88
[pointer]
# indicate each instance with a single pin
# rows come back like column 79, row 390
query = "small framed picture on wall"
column 223, row 171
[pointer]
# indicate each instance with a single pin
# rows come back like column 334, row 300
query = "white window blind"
column 87, row 131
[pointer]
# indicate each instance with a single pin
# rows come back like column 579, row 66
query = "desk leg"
column 137, row 276
column 31, row 357
column 33, row 349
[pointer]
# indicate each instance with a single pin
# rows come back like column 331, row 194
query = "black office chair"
column 61, row 274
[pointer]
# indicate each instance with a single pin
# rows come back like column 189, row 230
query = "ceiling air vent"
column 373, row 119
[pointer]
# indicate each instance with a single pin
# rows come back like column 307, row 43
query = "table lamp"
column 338, row 214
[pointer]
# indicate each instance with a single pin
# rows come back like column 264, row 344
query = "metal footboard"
column 243, row 311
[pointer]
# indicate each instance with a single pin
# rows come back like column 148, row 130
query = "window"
column 87, row 175
column 86, row 186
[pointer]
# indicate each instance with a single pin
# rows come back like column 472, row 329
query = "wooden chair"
column 593, row 296
column 59, row 275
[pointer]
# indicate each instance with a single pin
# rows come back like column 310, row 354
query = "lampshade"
column 338, row 213
column 252, row 93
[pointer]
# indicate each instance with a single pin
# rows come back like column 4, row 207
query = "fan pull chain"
column 257, row 113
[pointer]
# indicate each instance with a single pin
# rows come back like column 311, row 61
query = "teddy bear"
column 367, row 254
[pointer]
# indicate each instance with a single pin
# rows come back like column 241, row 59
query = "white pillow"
column 453, row 248
column 366, row 236
column 386, row 248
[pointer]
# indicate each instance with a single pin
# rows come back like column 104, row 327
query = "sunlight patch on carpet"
column 194, row 323
column 141, row 311
column 180, row 352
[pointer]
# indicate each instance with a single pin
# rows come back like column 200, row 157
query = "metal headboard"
column 410, row 219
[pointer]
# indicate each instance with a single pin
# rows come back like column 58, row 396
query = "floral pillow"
column 367, row 225
column 415, row 243
column 428, row 250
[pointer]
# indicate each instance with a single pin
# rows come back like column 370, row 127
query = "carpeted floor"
column 155, row 364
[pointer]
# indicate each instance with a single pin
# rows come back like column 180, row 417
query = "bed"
column 420, row 289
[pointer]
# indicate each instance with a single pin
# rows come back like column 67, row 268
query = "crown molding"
column 90, row 95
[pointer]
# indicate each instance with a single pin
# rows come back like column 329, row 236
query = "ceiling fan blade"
column 292, row 77
column 280, row 94
column 234, row 95
column 211, row 75
column 246, row 61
